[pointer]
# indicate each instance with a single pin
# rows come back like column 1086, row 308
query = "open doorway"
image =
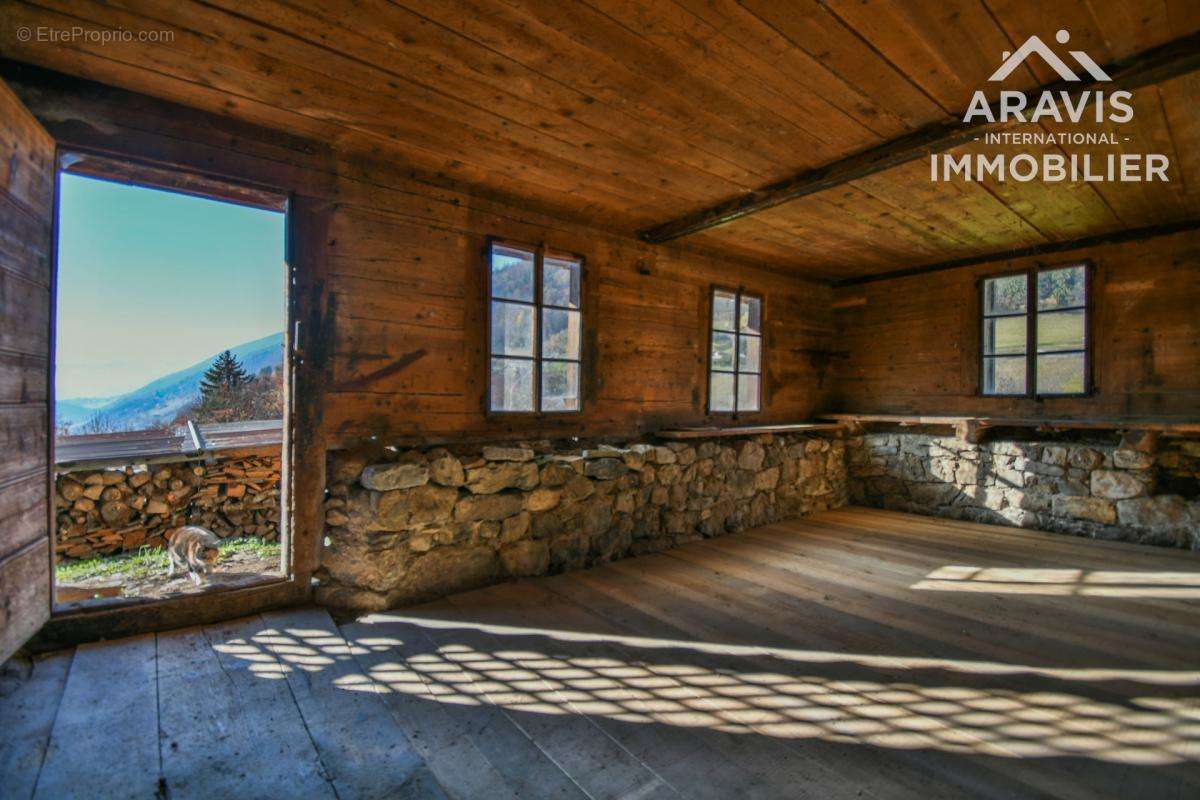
column 169, row 384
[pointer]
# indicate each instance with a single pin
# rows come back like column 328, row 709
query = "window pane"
column 1004, row 335
column 1060, row 374
column 560, row 333
column 749, row 353
column 720, row 391
column 722, row 351
column 723, row 311
column 1004, row 375
column 1060, row 330
column 747, row 392
column 512, row 329
column 751, row 315
column 560, row 282
column 1004, row 295
column 512, row 385
column 560, row 386
column 512, row 273
column 1061, row 288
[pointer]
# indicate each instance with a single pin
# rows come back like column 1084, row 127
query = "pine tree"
column 225, row 376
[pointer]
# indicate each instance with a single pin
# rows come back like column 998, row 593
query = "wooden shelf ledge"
column 969, row 426
column 747, row 430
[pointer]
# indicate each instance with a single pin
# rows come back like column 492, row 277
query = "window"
column 535, row 330
column 735, row 352
column 1038, row 348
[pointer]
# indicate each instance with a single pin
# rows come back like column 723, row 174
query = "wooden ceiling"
column 629, row 113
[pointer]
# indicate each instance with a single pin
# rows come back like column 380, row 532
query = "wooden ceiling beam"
column 1149, row 67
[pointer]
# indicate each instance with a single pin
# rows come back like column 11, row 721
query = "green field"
column 1062, row 374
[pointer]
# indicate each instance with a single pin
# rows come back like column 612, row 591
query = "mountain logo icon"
column 1035, row 45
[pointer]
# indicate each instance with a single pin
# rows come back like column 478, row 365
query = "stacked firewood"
column 100, row 512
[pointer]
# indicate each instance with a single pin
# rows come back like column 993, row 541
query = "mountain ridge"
column 156, row 403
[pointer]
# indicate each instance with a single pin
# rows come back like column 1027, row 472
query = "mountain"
column 159, row 401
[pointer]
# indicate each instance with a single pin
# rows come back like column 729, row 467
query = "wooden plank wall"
column 911, row 344
column 398, row 276
column 26, row 219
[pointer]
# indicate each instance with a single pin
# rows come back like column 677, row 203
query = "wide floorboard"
column 856, row 653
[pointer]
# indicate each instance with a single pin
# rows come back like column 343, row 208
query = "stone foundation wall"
column 428, row 522
column 1104, row 488
column 112, row 510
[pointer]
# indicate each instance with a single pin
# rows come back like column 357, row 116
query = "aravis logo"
column 1035, row 45
column 1049, row 112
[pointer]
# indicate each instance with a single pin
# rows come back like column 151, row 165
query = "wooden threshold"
column 106, row 621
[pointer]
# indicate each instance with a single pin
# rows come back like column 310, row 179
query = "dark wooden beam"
column 1128, row 235
column 1146, row 68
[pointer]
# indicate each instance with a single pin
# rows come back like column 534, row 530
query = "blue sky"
column 150, row 282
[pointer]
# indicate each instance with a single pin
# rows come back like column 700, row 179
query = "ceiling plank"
column 1131, row 235
column 1155, row 65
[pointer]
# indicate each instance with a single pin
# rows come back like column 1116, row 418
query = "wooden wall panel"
column 398, row 311
column 912, row 343
column 408, row 285
column 26, row 214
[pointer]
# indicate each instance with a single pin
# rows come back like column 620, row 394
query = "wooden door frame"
column 302, row 450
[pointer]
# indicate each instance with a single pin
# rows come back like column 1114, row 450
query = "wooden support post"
column 1139, row 440
column 307, row 341
column 970, row 430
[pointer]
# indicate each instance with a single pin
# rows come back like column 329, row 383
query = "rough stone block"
column 767, row 479
column 499, row 453
column 421, row 505
column 663, row 455
column 1085, row 458
column 1132, row 459
column 1090, row 508
column 1163, row 514
column 605, row 468
column 557, row 473
column 529, row 557
column 497, row 476
column 388, row 477
column 542, row 499
column 515, row 527
column 1114, row 485
column 750, row 456
column 488, row 507
column 446, row 470
column 1054, row 455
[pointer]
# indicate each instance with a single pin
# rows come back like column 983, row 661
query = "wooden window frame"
column 540, row 253
column 738, row 292
column 1031, row 319
column 76, row 622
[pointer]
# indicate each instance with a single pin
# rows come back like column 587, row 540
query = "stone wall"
column 428, row 522
column 1106, row 488
column 106, row 511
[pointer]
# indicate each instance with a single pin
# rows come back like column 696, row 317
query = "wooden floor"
column 853, row 654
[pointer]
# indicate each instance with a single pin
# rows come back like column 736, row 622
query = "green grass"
column 148, row 562
column 1056, row 333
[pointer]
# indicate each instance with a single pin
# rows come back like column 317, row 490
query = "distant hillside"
column 159, row 401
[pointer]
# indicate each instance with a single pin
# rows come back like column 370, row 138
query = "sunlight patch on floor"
column 561, row 673
column 1062, row 582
